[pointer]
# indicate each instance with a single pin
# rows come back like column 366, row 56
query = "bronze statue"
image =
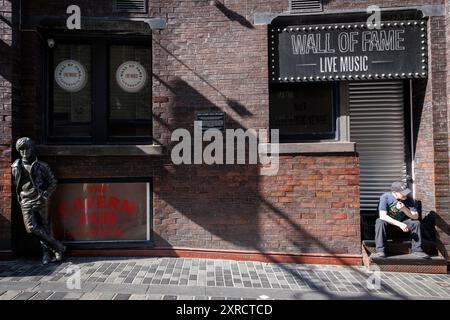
column 34, row 183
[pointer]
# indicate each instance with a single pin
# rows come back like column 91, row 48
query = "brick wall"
column 431, row 116
column 444, row 194
column 362, row 4
column 9, row 96
column 424, row 153
column 212, row 58
column 310, row 206
column 432, row 159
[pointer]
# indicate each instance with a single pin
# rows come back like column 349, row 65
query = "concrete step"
column 394, row 248
column 400, row 259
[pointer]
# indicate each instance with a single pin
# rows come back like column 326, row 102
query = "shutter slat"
column 130, row 5
column 377, row 127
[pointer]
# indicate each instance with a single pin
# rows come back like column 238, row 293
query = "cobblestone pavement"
column 187, row 279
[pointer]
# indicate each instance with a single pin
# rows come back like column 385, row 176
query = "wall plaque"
column 212, row 120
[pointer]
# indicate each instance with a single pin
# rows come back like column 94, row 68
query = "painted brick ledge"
column 100, row 150
column 6, row 255
column 310, row 147
column 275, row 257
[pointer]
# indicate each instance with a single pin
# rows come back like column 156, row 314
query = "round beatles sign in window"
column 70, row 75
column 131, row 76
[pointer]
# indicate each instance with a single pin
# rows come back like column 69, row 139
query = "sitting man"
column 396, row 209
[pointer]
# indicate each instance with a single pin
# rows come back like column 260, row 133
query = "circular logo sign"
column 70, row 75
column 131, row 76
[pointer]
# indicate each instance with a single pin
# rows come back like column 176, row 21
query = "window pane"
column 302, row 109
column 71, row 113
column 130, row 95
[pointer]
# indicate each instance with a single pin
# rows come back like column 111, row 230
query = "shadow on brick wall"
column 219, row 199
column 9, row 101
column 425, row 159
column 219, row 206
column 223, row 200
column 443, row 227
column 232, row 15
column 5, row 229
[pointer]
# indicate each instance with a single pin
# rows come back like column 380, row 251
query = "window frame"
column 125, row 140
column 100, row 91
column 333, row 135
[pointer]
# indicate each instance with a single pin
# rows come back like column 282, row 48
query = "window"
column 72, row 100
column 129, row 114
column 99, row 91
column 304, row 112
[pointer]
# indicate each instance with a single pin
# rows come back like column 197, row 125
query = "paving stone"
column 18, row 286
column 63, row 287
column 73, row 295
column 122, row 296
column 138, row 297
column 24, row 295
column 10, row 294
column 121, row 288
column 41, row 296
column 107, row 296
column 91, row 296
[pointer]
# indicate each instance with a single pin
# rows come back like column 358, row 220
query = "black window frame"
column 100, row 99
column 333, row 135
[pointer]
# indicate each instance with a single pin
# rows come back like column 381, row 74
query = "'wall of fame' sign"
column 333, row 52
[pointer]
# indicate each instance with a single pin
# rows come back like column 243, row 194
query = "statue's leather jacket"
column 41, row 176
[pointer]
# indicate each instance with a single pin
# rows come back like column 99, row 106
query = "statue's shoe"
column 59, row 254
column 46, row 259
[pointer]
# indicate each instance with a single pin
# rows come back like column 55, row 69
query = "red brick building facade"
column 213, row 56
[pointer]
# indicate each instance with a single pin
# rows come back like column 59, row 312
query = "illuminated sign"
column 334, row 52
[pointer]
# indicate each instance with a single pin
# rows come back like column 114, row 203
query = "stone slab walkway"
column 202, row 279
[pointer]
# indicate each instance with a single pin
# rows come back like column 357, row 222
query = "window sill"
column 100, row 150
column 313, row 147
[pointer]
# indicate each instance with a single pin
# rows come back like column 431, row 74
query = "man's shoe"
column 379, row 255
column 421, row 254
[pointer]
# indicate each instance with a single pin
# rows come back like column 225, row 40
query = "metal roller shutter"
column 377, row 125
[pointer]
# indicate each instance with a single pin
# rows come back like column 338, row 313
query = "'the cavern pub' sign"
column 352, row 51
column 101, row 211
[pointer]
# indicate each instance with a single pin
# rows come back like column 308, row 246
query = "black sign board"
column 357, row 51
column 213, row 120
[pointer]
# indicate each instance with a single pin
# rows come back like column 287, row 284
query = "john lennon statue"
column 34, row 182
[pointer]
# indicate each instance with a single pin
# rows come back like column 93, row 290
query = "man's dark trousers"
column 414, row 229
